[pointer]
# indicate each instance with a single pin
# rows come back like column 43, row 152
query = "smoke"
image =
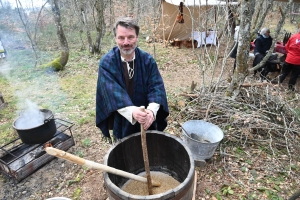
column 27, row 81
column 32, row 89
column 27, row 86
column 31, row 117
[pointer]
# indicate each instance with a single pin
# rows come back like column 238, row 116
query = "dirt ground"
column 61, row 178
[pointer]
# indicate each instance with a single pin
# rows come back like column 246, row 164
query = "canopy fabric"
column 196, row 2
column 169, row 29
column 198, row 15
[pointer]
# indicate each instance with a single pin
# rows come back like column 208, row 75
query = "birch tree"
column 247, row 10
column 100, row 24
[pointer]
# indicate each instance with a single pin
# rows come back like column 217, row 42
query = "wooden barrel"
column 166, row 153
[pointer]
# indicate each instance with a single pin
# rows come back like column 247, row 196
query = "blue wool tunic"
column 111, row 93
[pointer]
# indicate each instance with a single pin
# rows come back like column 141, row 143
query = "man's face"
column 126, row 40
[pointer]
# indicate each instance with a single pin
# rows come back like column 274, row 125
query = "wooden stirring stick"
column 145, row 156
column 91, row 164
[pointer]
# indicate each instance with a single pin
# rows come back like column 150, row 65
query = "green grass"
column 86, row 142
column 77, row 179
column 7, row 114
column 76, row 194
column 8, row 134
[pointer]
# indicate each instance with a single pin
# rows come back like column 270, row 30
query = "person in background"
column 127, row 79
column 292, row 61
column 262, row 45
column 235, row 46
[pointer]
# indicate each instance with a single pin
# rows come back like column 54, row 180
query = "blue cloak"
column 111, row 93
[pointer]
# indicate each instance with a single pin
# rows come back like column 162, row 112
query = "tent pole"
column 163, row 22
column 172, row 29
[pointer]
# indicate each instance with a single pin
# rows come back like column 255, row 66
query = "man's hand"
column 139, row 115
column 149, row 119
column 145, row 118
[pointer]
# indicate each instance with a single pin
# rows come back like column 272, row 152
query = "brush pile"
column 261, row 128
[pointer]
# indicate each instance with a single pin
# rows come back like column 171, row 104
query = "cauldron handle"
column 48, row 120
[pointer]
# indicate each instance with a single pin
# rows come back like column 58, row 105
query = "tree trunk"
column 138, row 12
column 100, row 25
column 247, row 10
column 130, row 8
column 231, row 21
column 86, row 26
column 64, row 55
column 112, row 15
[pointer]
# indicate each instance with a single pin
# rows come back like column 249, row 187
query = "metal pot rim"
column 46, row 120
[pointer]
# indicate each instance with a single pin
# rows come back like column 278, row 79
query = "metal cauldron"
column 38, row 134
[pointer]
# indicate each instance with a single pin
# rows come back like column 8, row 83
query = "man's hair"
column 127, row 22
column 264, row 30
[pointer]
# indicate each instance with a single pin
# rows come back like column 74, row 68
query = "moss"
column 55, row 65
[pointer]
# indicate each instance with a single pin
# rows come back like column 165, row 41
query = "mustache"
column 127, row 45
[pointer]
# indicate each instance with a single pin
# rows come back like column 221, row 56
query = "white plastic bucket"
column 202, row 138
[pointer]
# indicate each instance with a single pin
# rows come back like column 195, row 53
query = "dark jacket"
column 262, row 45
column 234, row 50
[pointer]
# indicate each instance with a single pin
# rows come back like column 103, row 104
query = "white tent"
column 197, row 2
column 194, row 13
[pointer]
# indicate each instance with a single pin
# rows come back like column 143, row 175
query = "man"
column 127, row 79
column 292, row 61
column 262, row 45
